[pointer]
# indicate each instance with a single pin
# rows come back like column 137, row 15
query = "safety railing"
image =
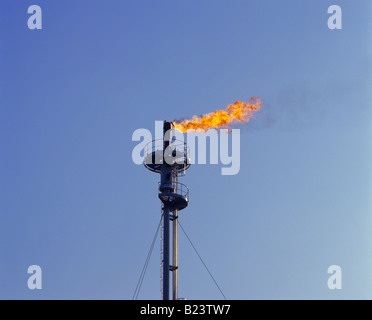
column 179, row 189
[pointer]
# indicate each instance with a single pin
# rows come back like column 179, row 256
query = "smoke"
column 288, row 110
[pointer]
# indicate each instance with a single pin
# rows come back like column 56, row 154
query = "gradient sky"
column 73, row 201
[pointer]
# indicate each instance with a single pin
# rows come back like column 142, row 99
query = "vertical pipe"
column 166, row 186
column 166, row 254
column 175, row 255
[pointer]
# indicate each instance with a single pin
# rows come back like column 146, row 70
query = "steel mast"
column 170, row 159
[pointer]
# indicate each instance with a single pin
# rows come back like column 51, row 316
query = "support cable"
column 214, row 280
column 144, row 269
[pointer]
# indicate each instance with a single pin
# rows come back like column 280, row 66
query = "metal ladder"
column 161, row 253
column 175, row 185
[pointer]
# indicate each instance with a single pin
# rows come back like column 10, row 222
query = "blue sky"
column 73, row 201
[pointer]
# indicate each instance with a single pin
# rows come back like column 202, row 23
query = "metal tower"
column 169, row 158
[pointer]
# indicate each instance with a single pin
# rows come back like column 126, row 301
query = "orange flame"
column 239, row 112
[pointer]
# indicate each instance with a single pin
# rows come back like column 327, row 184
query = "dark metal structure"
column 169, row 158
